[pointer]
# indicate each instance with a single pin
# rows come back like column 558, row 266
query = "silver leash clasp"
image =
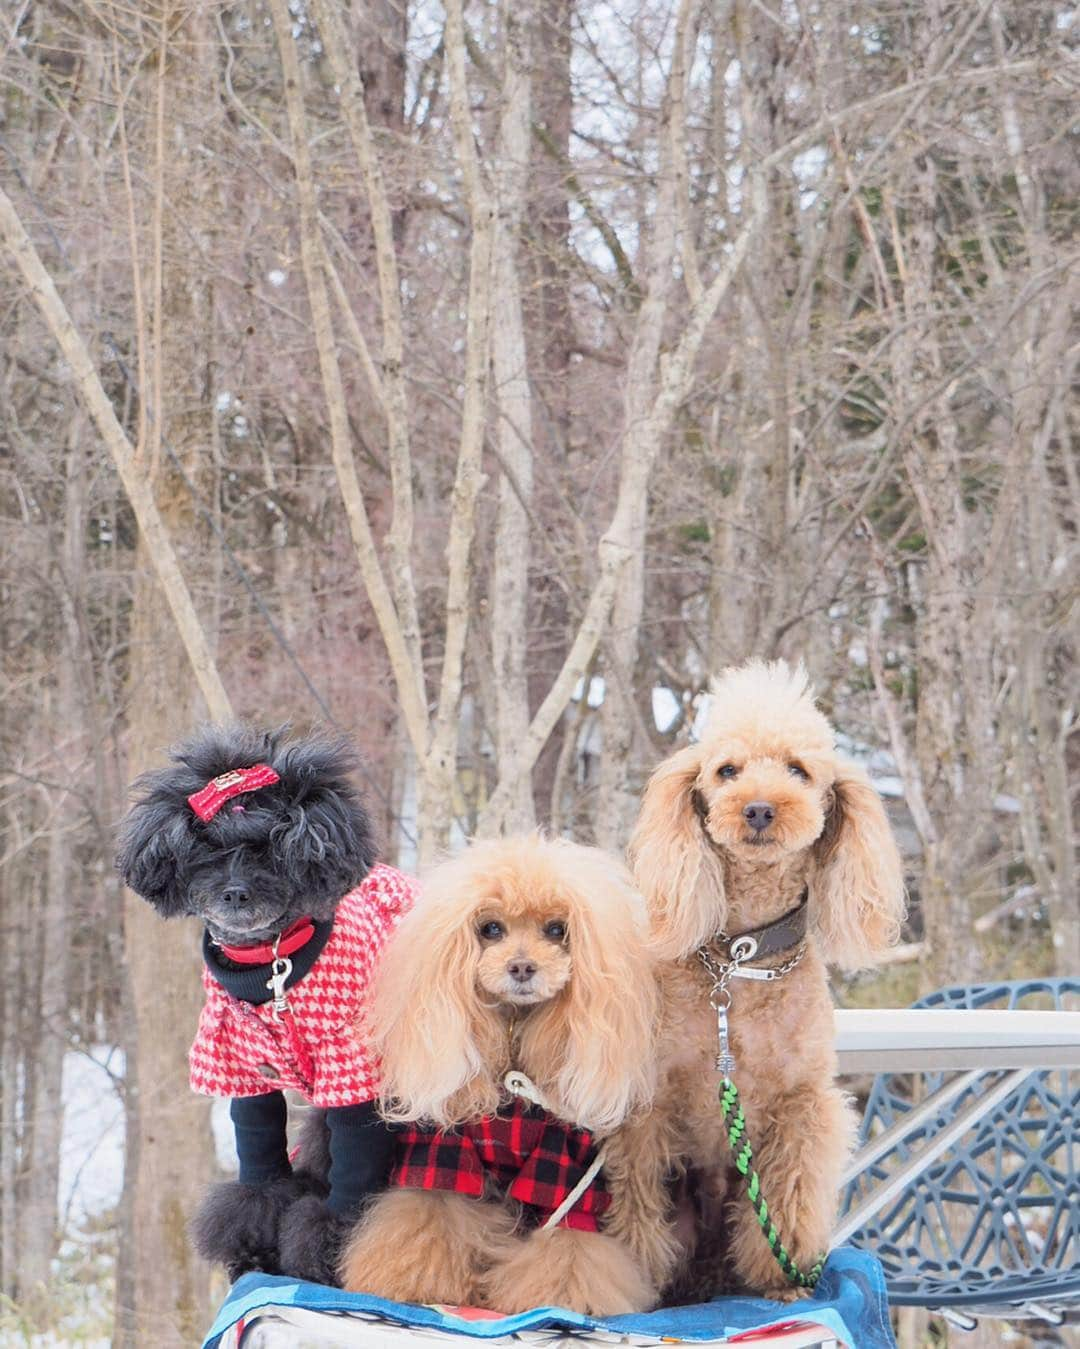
column 279, row 974
column 725, row 1059
column 740, row 950
column 720, row 1002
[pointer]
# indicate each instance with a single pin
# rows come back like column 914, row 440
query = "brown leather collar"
column 771, row 939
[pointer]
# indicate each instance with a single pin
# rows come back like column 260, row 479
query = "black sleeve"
column 261, row 1143
column 361, row 1151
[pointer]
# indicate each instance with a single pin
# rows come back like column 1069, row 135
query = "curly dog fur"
column 704, row 868
column 291, row 848
column 527, row 953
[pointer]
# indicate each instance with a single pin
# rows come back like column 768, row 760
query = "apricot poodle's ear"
column 598, row 1034
column 426, row 1021
column 676, row 866
column 857, row 890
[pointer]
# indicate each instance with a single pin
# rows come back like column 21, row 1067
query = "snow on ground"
column 91, row 1178
column 597, row 689
column 50, row 1339
column 92, row 1140
column 666, row 708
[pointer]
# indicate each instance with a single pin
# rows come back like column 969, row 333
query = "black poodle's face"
column 241, row 893
column 266, row 857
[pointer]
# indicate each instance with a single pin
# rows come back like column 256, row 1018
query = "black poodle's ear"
column 153, row 843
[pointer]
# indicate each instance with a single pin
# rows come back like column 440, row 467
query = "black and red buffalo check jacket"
column 528, row 1155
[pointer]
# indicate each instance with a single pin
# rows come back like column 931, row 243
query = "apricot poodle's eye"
column 798, row 771
column 728, row 770
column 555, row 931
column 491, row 930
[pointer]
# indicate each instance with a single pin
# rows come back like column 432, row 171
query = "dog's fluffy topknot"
column 749, row 699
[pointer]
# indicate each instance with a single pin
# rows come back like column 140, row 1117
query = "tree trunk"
column 44, row 1125
column 510, row 580
column 169, row 1149
column 169, row 1158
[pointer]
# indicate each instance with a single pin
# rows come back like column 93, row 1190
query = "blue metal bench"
column 967, row 1190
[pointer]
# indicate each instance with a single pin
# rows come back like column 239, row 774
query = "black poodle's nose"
column 235, row 894
column 759, row 814
column 521, row 970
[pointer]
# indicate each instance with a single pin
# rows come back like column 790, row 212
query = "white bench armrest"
column 925, row 1039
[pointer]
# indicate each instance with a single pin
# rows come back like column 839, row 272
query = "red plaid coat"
column 527, row 1154
column 240, row 1050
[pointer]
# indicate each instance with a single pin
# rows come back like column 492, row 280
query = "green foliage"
column 696, row 531
column 964, row 264
column 724, row 478
column 915, row 542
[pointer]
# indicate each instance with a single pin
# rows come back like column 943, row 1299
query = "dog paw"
column 587, row 1272
column 236, row 1225
column 789, row 1293
column 311, row 1240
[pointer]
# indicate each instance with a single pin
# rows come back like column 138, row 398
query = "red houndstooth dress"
column 241, row 1050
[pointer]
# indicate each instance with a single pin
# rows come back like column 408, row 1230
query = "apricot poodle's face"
column 765, row 788
column 764, row 798
column 528, row 924
column 524, row 956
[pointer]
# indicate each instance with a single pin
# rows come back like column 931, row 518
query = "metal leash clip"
column 720, row 1002
column 741, row 949
column 279, row 974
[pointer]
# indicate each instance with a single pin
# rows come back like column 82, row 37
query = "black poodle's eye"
column 491, row 930
column 727, row 770
column 555, row 931
column 798, row 771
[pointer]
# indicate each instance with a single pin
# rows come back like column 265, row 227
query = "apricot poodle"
column 760, row 830
column 524, row 963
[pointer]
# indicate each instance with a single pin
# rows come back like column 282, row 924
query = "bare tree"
column 480, row 380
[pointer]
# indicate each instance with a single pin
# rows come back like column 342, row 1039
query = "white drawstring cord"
column 517, row 1084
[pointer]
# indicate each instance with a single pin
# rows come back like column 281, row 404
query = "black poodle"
column 267, row 843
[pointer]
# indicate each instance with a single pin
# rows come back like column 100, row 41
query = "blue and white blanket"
column 849, row 1301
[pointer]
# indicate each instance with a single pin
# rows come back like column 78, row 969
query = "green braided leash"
column 731, row 1109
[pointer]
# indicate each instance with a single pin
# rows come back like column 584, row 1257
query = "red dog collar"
column 207, row 802
column 295, row 935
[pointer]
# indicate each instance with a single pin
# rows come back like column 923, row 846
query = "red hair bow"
column 207, row 802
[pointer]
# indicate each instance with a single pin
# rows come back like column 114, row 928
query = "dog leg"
column 799, row 1160
column 586, row 1272
column 425, row 1246
column 311, row 1237
column 237, row 1225
column 700, row 1273
column 639, row 1159
column 358, row 1149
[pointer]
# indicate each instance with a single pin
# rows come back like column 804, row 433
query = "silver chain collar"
column 722, row 972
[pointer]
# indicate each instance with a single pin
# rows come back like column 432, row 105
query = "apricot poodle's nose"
column 521, row 970
column 759, row 814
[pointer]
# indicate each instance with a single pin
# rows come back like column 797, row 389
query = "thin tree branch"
column 136, row 485
column 411, row 695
